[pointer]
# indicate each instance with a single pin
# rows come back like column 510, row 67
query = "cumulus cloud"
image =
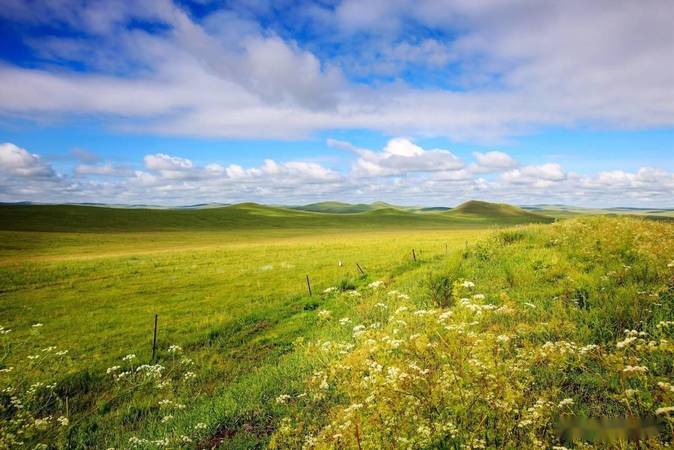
column 494, row 160
column 18, row 161
column 164, row 162
column 543, row 176
column 400, row 156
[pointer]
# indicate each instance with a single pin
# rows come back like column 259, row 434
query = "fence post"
column 309, row 286
column 360, row 269
column 414, row 256
column 154, row 338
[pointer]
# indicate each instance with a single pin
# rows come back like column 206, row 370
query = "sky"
column 414, row 102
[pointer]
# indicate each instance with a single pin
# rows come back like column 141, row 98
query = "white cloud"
column 198, row 78
column 541, row 175
column 164, row 162
column 169, row 179
column 400, row 156
column 494, row 160
column 18, row 161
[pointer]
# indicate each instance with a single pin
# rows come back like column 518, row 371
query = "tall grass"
column 545, row 324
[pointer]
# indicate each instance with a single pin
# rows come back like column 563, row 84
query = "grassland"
column 228, row 285
column 229, row 288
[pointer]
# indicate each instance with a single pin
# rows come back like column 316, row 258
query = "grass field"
column 229, row 288
column 236, row 297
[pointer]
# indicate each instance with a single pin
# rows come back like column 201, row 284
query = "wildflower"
column 185, row 439
column 37, row 325
column 344, row 321
column 166, row 418
column 468, row 284
column 324, row 314
column 112, row 369
column 626, row 342
column 189, row 376
column 129, row 357
column 478, row 297
column 174, row 349
column 666, row 386
column 664, row 410
column 353, row 294
column 381, row 305
column 61, row 352
column 503, row 338
column 282, row 399
column 330, row 290
column 445, row 315
column 200, row 426
column 629, row 393
column 565, row 402
column 635, row 369
column 63, row 421
column 588, row 348
column 375, row 284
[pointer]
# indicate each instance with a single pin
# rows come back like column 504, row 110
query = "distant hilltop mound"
column 250, row 216
column 336, row 207
column 496, row 213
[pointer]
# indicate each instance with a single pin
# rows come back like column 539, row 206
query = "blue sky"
column 430, row 102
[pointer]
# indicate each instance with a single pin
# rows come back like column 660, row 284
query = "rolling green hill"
column 335, row 207
column 497, row 213
column 248, row 216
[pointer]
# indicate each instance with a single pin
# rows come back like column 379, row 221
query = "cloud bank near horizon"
column 400, row 172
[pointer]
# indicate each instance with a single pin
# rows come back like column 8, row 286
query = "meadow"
column 476, row 344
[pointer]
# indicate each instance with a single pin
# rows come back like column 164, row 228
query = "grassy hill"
column 335, row 207
column 565, row 211
column 248, row 216
column 501, row 213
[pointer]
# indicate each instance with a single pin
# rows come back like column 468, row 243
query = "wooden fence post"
column 309, row 286
column 360, row 269
column 414, row 256
column 154, row 338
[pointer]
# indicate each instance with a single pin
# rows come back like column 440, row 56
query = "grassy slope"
column 563, row 211
column 245, row 216
column 494, row 213
column 547, row 338
column 335, row 207
column 234, row 298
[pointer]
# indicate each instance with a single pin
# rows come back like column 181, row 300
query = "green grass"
column 492, row 345
column 229, row 287
column 496, row 213
column 244, row 217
